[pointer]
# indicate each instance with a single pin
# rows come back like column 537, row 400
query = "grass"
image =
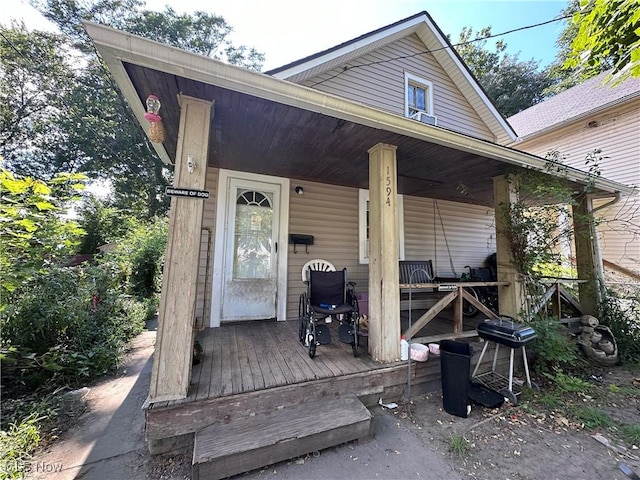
column 570, row 384
column 16, row 445
column 592, row 418
column 551, row 400
column 458, row 445
column 623, row 390
column 584, row 402
column 631, row 433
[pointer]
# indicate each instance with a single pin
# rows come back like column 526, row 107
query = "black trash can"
column 455, row 364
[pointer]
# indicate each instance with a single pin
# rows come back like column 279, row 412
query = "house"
column 590, row 116
column 381, row 148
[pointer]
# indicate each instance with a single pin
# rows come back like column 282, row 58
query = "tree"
column 33, row 231
column 62, row 118
column 102, row 223
column 36, row 77
column 81, row 122
column 199, row 32
column 513, row 85
column 563, row 78
column 608, row 37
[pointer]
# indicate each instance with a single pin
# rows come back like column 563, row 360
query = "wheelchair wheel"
column 354, row 345
column 468, row 309
column 355, row 322
column 302, row 320
column 312, row 345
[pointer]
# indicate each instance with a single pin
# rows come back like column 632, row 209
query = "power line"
column 11, row 45
column 402, row 57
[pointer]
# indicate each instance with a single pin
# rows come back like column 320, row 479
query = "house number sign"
column 388, row 188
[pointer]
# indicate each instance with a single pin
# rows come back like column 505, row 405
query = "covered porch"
column 220, row 117
column 251, row 368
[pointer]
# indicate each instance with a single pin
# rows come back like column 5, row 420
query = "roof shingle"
column 589, row 96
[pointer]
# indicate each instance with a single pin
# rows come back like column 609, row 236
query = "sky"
column 287, row 30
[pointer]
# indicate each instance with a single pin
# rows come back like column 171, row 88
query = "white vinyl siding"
column 430, row 225
column 617, row 134
column 618, row 243
column 379, row 82
column 330, row 214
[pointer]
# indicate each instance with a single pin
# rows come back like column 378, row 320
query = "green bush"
column 553, row 348
column 140, row 258
column 34, row 231
column 68, row 326
column 102, row 224
column 621, row 313
column 16, row 445
column 63, row 327
column 568, row 383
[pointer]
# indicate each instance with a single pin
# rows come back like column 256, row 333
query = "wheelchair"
column 328, row 296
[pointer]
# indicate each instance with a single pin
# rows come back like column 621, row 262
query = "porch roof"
column 265, row 125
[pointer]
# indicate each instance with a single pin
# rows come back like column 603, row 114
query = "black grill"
column 506, row 332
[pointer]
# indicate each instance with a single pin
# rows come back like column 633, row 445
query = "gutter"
column 598, row 260
column 616, row 199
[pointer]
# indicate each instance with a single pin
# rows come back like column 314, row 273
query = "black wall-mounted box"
column 299, row 239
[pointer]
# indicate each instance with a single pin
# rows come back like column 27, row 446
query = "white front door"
column 250, row 261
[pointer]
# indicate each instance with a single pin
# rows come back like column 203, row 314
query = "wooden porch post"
column 384, row 276
column 174, row 341
column 511, row 297
column 586, row 254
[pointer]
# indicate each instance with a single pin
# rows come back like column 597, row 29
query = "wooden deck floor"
column 246, row 357
column 256, row 367
column 251, row 356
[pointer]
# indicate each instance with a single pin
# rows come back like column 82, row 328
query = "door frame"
column 222, row 225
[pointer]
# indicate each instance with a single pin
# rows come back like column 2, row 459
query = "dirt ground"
column 530, row 441
column 524, row 442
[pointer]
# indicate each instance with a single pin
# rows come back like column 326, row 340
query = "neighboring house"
column 381, row 148
column 590, row 116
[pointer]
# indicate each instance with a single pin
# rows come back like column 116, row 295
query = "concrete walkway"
column 394, row 453
column 108, row 442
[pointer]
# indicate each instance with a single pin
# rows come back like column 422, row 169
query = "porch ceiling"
column 265, row 125
column 263, row 136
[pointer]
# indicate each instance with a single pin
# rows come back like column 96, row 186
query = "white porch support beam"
column 586, row 255
column 511, row 296
column 176, row 316
column 384, row 276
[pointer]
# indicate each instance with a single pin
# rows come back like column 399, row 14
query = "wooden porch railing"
column 556, row 294
column 456, row 295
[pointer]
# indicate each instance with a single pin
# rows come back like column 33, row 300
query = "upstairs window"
column 418, row 95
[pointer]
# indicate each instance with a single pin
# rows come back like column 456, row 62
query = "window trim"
column 411, row 79
column 363, row 251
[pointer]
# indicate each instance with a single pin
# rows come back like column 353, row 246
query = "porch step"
column 245, row 444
